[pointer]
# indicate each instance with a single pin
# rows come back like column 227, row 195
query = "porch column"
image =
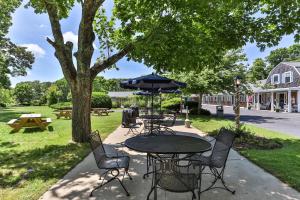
column 289, row 101
column 298, row 100
column 272, row 101
column 254, row 102
column 258, row 103
column 247, row 101
column 277, row 100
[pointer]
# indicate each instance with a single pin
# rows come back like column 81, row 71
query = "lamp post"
column 237, row 82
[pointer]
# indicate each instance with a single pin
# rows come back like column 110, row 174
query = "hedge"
column 101, row 100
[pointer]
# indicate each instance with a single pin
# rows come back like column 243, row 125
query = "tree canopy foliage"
column 14, row 60
column 291, row 53
column 165, row 34
column 257, row 71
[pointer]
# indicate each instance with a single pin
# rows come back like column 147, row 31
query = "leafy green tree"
column 53, row 94
column 6, row 97
column 14, row 60
column 258, row 70
column 164, row 34
column 63, row 89
column 214, row 79
column 23, row 93
column 291, row 53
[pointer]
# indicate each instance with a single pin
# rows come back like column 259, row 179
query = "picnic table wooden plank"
column 63, row 113
column 101, row 111
column 29, row 120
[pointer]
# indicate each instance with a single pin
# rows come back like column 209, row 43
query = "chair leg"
column 126, row 172
column 115, row 177
column 127, row 193
column 218, row 176
column 102, row 184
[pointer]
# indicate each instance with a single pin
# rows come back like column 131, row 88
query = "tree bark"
column 81, row 112
column 200, row 102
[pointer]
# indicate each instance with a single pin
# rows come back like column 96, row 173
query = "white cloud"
column 42, row 26
column 70, row 36
column 35, row 49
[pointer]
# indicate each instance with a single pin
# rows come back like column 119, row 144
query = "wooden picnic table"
column 101, row 111
column 29, row 121
column 63, row 113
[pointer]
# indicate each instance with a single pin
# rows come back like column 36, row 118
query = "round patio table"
column 167, row 144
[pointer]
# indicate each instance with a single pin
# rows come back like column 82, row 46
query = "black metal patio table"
column 168, row 144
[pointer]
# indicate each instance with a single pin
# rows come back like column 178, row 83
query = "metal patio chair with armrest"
column 177, row 175
column 217, row 160
column 112, row 164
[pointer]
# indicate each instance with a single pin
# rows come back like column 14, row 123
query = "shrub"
column 171, row 104
column 101, row 100
column 61, row 106
column 191, row 104
column 194, row 111
column 127, row 104
column 116, row 104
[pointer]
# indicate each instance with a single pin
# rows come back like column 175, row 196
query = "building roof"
column 121, row 94
column 293, row 64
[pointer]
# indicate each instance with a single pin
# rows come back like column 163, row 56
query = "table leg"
column 154, row 177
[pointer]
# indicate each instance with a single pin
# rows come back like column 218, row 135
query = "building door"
column 281, row 100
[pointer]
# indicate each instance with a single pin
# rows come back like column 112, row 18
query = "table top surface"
column 151, row 116
column 168, row 144
column 100, row 108
column 31, row 116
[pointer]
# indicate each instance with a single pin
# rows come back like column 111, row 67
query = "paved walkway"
column 283, row 122
column 249, row 181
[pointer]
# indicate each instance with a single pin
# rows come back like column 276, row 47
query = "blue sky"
column 31, row 30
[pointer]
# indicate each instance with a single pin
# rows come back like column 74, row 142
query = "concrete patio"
column 249, row 181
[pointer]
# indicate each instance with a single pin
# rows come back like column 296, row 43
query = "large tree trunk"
column 81, row 112
column 200, row 102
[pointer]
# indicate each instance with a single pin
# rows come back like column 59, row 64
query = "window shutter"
column 291, row 77
column 283, row 77
column 272, row 79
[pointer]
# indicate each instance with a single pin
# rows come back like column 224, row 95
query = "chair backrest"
column 223, row 144
column 176, row 175
column 171, row 120
column 97, row 147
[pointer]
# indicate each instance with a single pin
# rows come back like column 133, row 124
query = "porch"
column 279, row 99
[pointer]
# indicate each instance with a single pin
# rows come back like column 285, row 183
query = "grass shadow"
column 46, row 163
column 8, row 115
column 8, row 145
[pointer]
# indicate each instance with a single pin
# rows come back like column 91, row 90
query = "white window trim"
column 278, row 75
column 290, row 74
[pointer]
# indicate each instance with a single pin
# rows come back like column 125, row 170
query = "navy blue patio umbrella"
column 152, row 83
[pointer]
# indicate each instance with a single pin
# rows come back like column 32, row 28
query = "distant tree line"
column 42, row 93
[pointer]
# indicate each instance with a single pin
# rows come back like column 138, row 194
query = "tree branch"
column 104, row 64
column 62, row 51
column 86, row 35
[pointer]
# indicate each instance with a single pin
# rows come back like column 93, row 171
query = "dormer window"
column 275, row 79
column 287, row 77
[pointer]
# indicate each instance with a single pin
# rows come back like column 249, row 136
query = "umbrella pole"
column 151, row 110
column 159, row 103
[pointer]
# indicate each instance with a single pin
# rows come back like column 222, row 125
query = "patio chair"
column 177, row 175
column 111, row 164
column 169, row 121
column 216, row 162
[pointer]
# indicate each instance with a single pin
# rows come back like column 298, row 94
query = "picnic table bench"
column 101, row 111
column 29, row 121
column 63, row 113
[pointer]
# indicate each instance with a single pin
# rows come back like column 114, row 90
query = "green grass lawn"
column 284, row 163
column 32, row 160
